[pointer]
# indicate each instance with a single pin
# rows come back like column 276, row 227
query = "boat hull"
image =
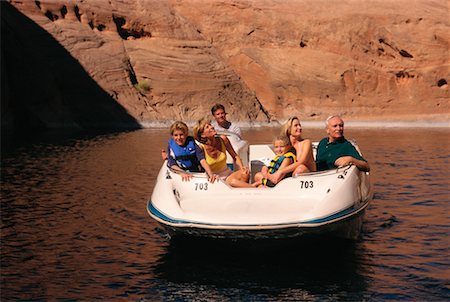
column 346, row 224
column 321, row 203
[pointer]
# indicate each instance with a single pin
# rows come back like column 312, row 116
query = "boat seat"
column 256, row 166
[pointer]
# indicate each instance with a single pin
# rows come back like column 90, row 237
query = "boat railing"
column 193, row 174
column 341, row 169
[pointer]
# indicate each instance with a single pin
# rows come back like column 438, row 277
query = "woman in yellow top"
column 215, row 148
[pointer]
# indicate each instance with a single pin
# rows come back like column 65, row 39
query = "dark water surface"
column 74, row 226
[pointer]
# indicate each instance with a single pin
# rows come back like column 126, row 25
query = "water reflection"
column 74, row 226
column 304, row 270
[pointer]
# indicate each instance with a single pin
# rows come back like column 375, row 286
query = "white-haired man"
column 335, row 151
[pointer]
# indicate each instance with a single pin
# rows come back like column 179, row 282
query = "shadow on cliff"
column 44, row 87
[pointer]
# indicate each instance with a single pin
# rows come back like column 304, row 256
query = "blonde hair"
column 286, row 130
column 283, row 138
column 200, row 127
column 178, row 125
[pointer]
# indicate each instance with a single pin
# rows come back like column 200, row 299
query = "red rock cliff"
column 265, row 60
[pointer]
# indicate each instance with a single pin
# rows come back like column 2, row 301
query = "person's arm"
column 164, row 154
column 170, row 160
column 185, row 176
column 352, row 156
column 172, row 163
column 281, row 172
column 211, row 176
column 347, row 160
column 200, row 154
column 233, row 153
column 285, row 164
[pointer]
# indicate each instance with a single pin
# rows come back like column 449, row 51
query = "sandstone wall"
column 151, row 60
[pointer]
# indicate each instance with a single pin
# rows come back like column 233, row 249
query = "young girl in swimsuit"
column 285, row 155
column 303, row 147
column 215, row 148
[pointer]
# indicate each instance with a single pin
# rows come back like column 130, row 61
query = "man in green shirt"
column 335, row 151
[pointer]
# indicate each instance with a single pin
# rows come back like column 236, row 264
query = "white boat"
column 330, row 202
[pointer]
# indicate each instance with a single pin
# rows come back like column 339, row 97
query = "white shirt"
column 233, row 128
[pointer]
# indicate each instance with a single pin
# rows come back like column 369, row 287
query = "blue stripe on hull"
column 158, row 214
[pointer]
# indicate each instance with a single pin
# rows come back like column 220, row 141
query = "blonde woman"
column 303, row 148
column 215, row 148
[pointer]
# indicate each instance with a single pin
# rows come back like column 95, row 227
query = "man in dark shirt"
column 335, row 151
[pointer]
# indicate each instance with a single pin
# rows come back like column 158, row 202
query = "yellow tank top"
column 220, row 163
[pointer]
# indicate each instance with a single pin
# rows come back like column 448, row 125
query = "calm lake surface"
column 74, row 226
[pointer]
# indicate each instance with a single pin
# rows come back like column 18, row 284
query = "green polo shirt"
column 328, row 153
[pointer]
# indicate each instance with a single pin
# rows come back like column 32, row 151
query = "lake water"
column 74, row 226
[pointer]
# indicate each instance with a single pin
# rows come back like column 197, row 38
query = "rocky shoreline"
column 132, row 64
column 445, row 124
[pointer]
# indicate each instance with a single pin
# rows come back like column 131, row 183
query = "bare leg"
column 239, row 179
column 264, row 171
column 257, row 180
column 301, row 169
column 258, row 176
column 257, row 184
